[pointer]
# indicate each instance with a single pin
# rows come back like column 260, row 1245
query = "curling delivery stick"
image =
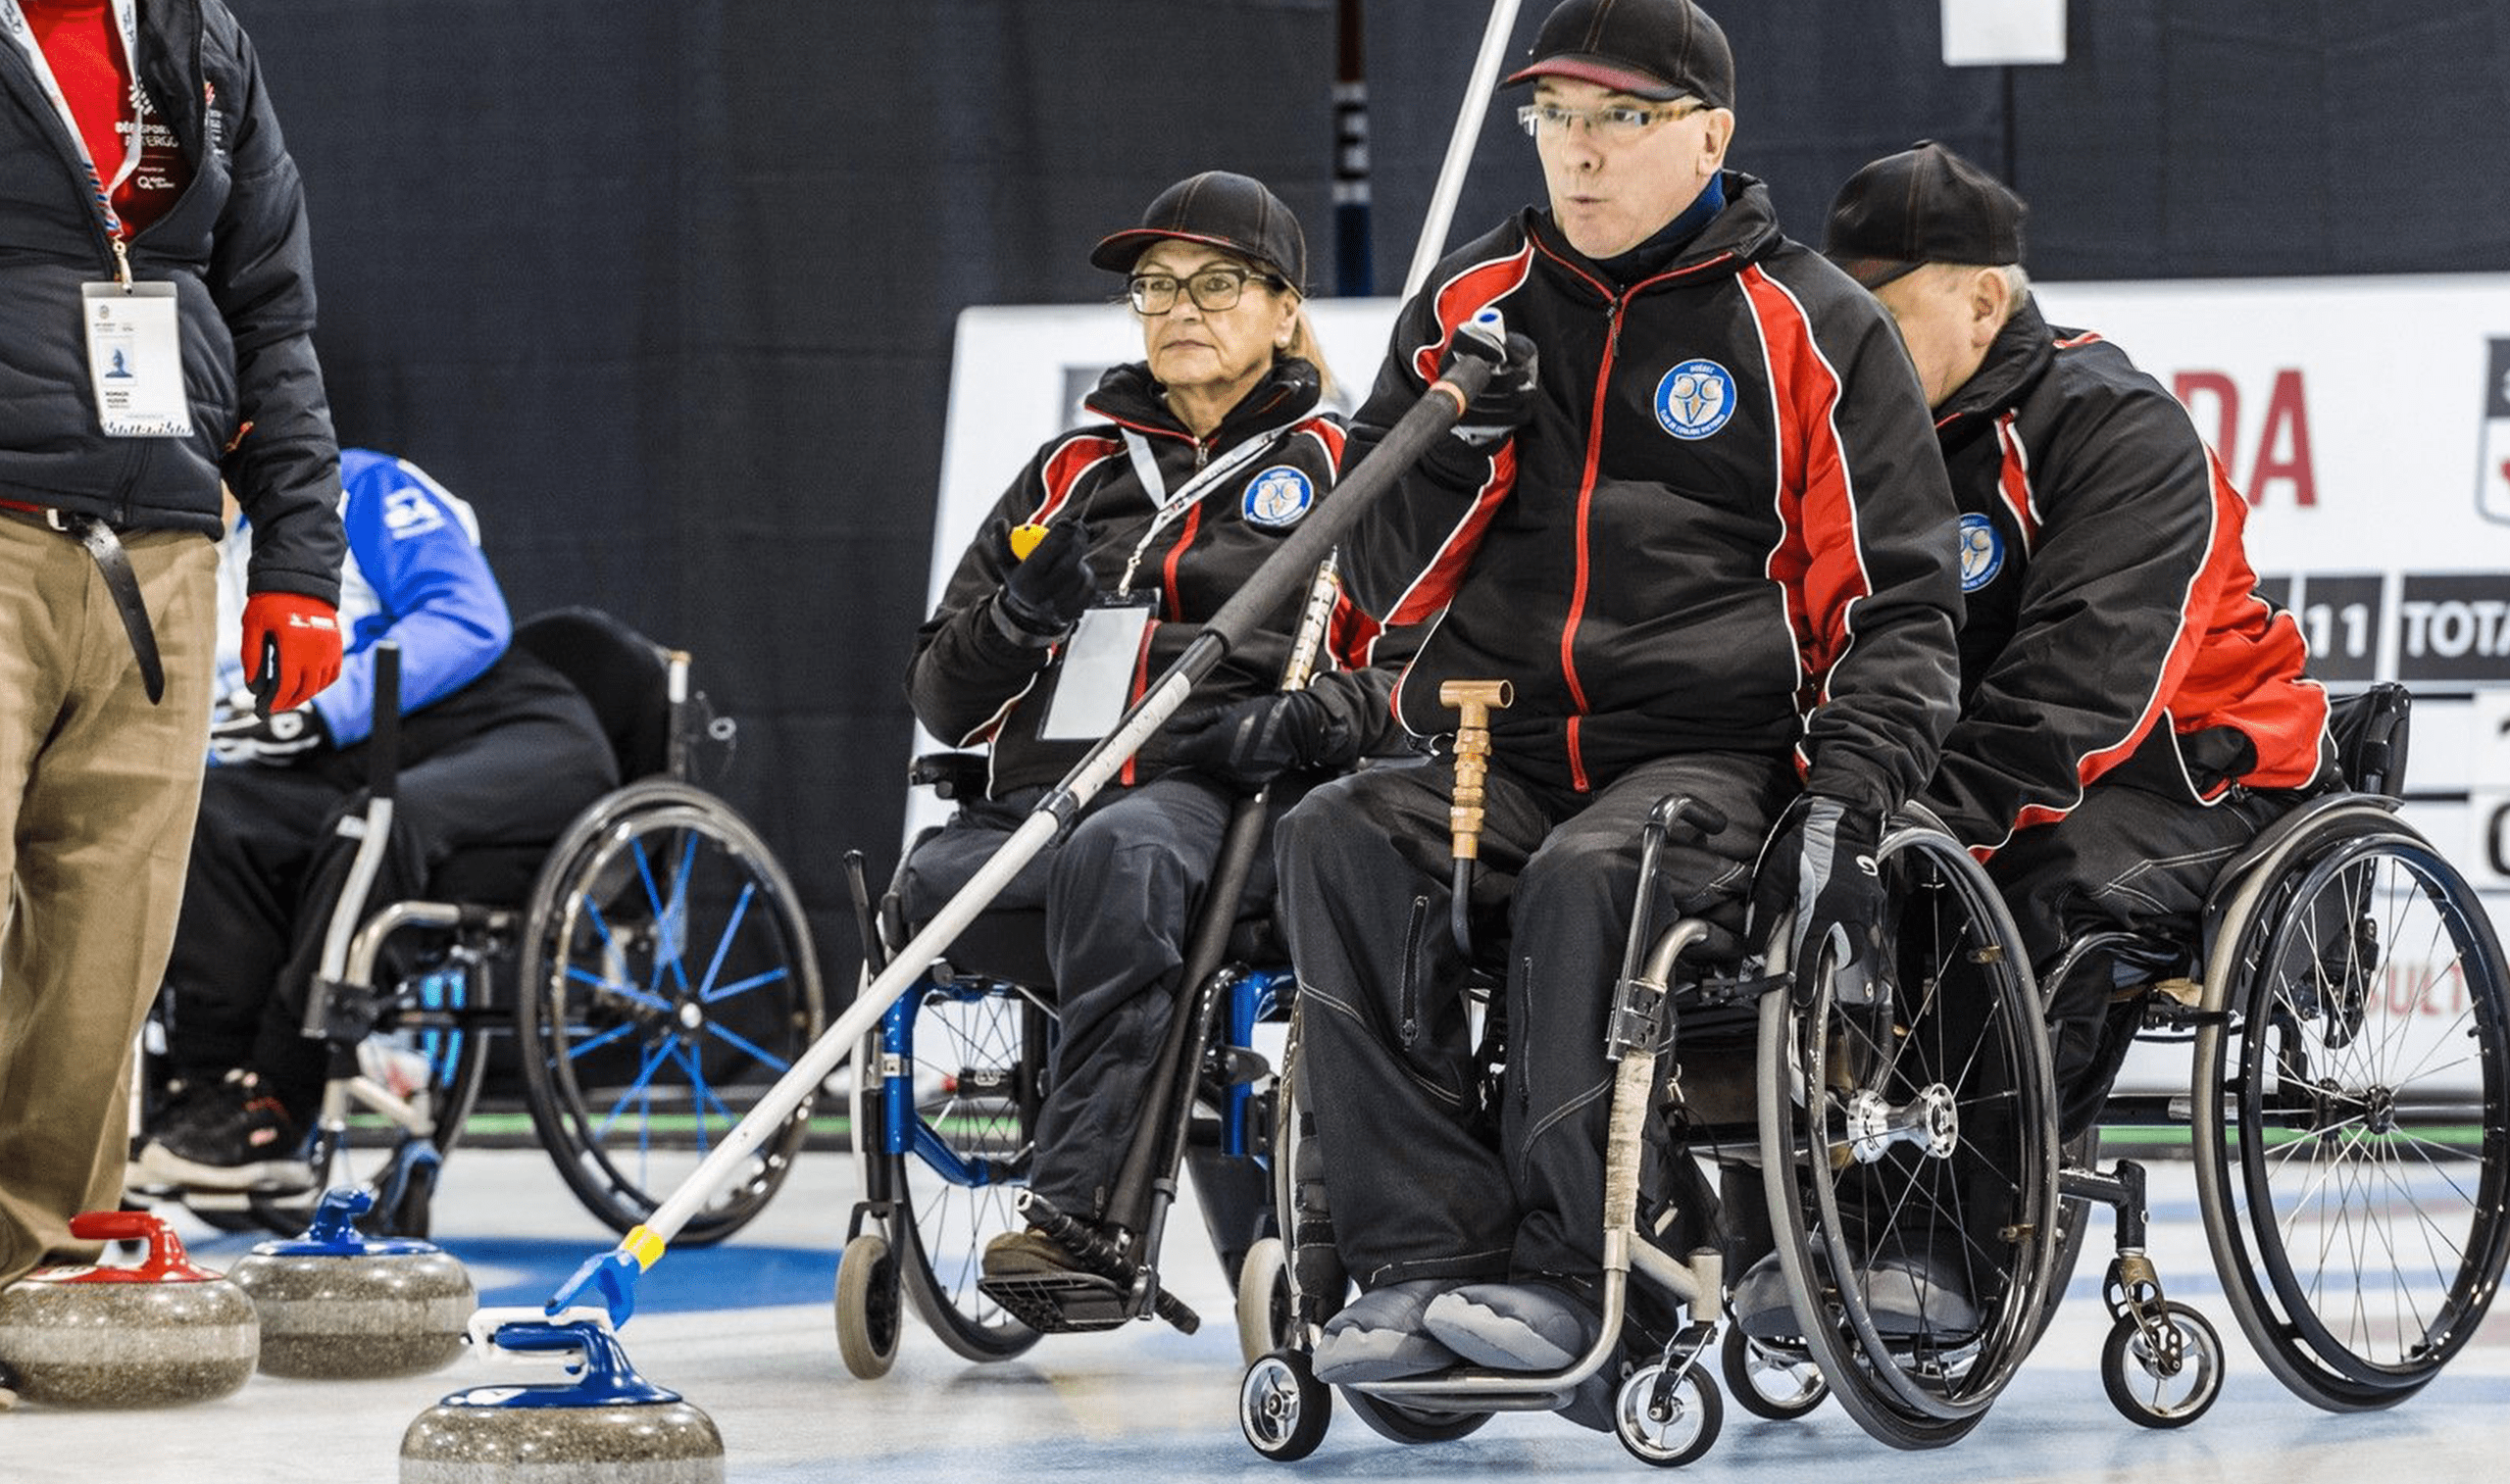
column 611, row 1277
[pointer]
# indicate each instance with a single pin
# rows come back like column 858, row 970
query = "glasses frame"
column 1137, row 296
column 1600, row 123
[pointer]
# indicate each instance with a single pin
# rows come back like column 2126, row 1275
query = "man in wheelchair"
column 2133, row 709
column 1744, row 593
column 495, row 746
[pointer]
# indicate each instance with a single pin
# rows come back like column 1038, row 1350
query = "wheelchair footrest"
column 1061, row 1303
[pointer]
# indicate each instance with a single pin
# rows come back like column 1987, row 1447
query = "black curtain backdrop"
column 667, row 290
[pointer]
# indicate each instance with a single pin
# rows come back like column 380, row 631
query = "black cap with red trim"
column 1923, row 205
column 1222, row 210
column 1658, row 50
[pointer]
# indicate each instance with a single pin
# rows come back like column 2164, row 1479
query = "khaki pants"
column 98, row 790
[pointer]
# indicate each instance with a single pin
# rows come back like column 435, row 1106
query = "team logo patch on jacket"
column 1279, row 496
column 1694, row 399
column 1981, row 552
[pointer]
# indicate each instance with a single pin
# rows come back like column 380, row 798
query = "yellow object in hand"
column 1024, row 538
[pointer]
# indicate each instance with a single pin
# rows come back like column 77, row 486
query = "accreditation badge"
column 135, row 360
column 1098, row 666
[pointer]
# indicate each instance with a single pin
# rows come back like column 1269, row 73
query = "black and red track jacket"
column 1724, row 527
column 970, row 683
column 2114, row 630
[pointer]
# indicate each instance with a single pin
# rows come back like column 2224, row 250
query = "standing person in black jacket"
column 156, row 321
column 2133, row 709
column 1200, row 459
column 1699, row 525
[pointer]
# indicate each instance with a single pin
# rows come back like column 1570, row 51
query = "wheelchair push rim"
column 1925, row 1124
column 667, row 980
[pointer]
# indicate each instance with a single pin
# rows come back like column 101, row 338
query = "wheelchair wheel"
column 1264, row 1320
column 2074, row 1224
column 2163, row 1383
column 1692, row 1414
column 976, row 1056
column 1770, row 1384
column 1398, row 1423
column 867, row 1306
column 667, row 981
column 1282, row 1408
column 2352, row 1124
column 1909, row 1152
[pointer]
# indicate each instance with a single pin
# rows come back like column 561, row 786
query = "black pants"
column 1415, row 1184
column 2125, row 859
column 1120, row 892
column 507, row 760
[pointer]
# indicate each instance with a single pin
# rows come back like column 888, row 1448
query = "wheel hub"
column 1932, row 1123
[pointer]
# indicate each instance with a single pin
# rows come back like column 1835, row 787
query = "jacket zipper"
column 1586, row 507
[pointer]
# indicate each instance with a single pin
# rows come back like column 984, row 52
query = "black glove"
column 240, row 733
column 1248, row 743
column 1823, row 866
column 1506, row 401
column 1045, row 593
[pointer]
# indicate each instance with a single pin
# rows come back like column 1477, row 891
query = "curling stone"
column 608, row 1426
column 338, row 1304
column 160, row 1334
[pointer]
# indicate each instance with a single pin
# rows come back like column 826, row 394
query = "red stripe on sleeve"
column 1824, row 576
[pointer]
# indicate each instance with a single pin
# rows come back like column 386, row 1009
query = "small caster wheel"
column 2169, row 1384
column 867, row 1306
column 1263, row 1301
column 1408, row 1425
column 1691, row 1415
column 1769, row 1385
column 1282, row 1408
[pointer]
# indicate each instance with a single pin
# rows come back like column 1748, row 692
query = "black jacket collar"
column 1128, row 395
column 1744, row 230
column 2017, row 358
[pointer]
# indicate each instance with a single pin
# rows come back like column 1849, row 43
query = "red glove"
column 291, row 647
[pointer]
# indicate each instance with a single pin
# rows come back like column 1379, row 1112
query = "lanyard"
column 127, row 27
column 1146, row 469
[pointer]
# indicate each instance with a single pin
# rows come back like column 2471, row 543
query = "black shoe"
column 228, row 1135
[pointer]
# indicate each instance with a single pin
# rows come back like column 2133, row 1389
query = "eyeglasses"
column 1616, row 124
column 1212, row 289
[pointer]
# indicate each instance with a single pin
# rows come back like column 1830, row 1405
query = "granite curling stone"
column 336, row 1305
column 608, row 1426
column 162, row 1334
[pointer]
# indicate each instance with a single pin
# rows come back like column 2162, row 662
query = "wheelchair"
column 1914, row 1115
column 663, row 971
column 945, row 1105
column 2349, row 1109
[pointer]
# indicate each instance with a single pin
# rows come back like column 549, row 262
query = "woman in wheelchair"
column 495, row 746
column 1093, row 572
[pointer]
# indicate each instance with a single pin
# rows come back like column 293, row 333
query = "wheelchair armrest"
column 950, row 775
column 2371, row 732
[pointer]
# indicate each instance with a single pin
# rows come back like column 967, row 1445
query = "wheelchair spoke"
column 644, row 1078
column 744, row 986
column 760, row 1055
column 723, row 943
column 616, row 990
column 576, row 1049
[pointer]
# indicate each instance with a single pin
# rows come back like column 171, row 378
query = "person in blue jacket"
column 495, row 748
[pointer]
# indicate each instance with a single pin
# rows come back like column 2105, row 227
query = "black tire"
column 2352, row 1131
column 868, row 1313
column 1769, row 1385
column 973, row 1072
column 666, row 981
column 2163, row 1391
column 1698, row 1415
column 1956, row 1049
column 2073, row 1225
column 1397, row 1422
column 1282, row 1408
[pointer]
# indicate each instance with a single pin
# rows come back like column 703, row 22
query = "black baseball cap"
column 1923, row 205
column 1222, row 210
column 1658, row 50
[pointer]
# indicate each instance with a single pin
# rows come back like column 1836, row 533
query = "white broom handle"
column 1468, row 124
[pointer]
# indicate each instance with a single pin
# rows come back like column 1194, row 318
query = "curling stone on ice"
column 160, row 1334
column 610, row 1424
column 338, row 1304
